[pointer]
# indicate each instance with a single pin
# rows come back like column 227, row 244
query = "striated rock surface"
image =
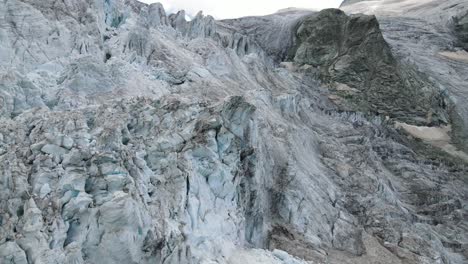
column 422, row 34
column 128, row 135
column 351, row 53
column 461, row 29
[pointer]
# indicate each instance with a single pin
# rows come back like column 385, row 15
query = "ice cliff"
column 128, row 135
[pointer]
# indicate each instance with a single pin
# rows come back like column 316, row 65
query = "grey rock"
column 351, row 50
column 428, row 32
column 461, row 30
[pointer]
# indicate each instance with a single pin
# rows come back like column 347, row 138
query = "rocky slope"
column 128, row 135
column 429, row 36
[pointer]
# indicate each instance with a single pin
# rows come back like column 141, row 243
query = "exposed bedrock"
column 350, row 53
column 427, row 39
column 461, row 30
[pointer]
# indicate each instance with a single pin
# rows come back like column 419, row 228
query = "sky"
column 221, row 9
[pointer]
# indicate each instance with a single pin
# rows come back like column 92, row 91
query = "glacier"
column 130, row 135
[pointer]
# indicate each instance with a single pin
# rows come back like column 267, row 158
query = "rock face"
column 128, row 135
column 461, row 30
column 421, row 34
column 351, row 53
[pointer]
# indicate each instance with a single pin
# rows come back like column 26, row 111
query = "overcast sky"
column 238, row 8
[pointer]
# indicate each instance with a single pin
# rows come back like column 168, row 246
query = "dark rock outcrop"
column 461, row 30
column 350, row 53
